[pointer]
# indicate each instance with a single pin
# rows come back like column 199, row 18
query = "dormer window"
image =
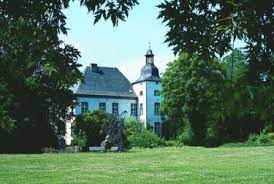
column 141, row 93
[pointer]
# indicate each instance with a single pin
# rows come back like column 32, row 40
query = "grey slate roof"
column 105, row 81
column 149, row 53
column 149, row 72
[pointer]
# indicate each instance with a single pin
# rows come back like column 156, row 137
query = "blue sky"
column 123, row 46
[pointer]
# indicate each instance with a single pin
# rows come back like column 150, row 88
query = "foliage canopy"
column 37, row 69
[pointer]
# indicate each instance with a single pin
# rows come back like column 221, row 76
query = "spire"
column 149, row 72
column 149, row 56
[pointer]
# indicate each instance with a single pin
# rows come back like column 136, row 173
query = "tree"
column 209, row 29
column 93, row 127
column 249, row 106
column 37, row 69
column 132, row 126
column 193, row 97
column 235, row 65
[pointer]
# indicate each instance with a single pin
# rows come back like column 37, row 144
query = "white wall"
column 138, row 87
column 93, row 104
column 148, row 99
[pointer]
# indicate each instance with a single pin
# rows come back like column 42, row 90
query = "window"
column 156, row 93
column 157, row 108
column 141, row 93
column 84, row 107
column 115, row 108
column 133, row 109
column 158, row 128
column 141, row 109
column 156, row 82
column 102, row 106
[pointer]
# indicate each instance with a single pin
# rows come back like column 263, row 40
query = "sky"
column 124, row 46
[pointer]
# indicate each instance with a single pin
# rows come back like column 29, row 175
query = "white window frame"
column 133, row 109
column 157, row 108
column 115, row 108
column 84, row 107
column 102, row 106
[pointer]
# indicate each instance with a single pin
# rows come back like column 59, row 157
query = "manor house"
column 106, row 88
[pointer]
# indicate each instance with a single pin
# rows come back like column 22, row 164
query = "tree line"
column 207, row 106
column 37, row 69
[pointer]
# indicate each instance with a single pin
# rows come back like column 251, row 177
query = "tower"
column 147, row 87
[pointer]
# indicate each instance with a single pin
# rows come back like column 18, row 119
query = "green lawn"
column 163, row 165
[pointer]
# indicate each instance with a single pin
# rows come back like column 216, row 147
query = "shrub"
column 89, row 126
column 171, row 143
column 79, row 138
column 132, row 126
column 261, row 139
column 267, row 138
column 171, row 129
column 114, row 128
column 145, row 139
column 186, row 137
column 253, row 138
column 138, row 136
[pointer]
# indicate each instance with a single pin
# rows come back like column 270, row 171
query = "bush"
column 132, row 126
column 91, row 128
column 114, row 128
column 79, row 138
column 171, row 143
column 87, row 128
column 261, row 139
column 186, row 137
column 145, row 139
column 171, row 129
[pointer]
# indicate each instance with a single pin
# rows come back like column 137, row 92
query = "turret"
column 149, row 57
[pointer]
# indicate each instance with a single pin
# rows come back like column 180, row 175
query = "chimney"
column 94, row 67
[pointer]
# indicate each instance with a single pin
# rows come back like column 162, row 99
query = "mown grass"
column 163, row 165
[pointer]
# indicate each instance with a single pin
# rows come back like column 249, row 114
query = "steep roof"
column 149, row 72
column 105, row 81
